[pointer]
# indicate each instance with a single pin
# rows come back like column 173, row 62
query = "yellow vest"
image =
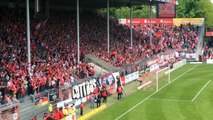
column 65, row 112
column 50, row 108
column 71, row 110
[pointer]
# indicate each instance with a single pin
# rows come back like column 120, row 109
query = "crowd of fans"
column 207, row 54
column 54, row 48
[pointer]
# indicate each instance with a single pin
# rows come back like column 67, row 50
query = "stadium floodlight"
column 162, row 77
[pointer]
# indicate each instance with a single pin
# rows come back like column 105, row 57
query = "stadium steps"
column 99, row 62
column 27, row 109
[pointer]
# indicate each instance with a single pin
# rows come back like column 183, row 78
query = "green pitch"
column 189, row 96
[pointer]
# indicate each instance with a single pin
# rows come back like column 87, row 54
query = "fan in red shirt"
column 81, row 108
column 104, row 94
column 61, row 114
column 57, row 114
column 34, row 118
column 45, row 116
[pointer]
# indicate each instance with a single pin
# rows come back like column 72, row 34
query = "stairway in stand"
column 27, row 109
column 94, row 59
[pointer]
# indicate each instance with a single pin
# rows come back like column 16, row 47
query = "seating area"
column 54, row 48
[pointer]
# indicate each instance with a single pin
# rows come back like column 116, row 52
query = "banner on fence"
column 209, row 34
column 41, row 99
column 190, row 56
column 81, row 92
column 138, row 22
column 109, row 81
column 131, row 77
column 53, row 95
column 65, row 103
column 154, row 67
column 209, row 61
column 184, row 21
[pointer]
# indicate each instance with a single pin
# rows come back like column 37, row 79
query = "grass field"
column 189, row 96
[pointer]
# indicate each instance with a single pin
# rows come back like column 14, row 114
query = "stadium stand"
column 54, row 47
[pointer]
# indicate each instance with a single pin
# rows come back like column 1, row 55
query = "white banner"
column 191, row 56
column 154, row 67
column 115, row 75
column 209, row 61
column 179, row 64
column 84, row 89
column 178, row 55
column 65, row 102
column 131, row 77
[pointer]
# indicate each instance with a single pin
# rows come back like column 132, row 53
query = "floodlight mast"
column 78, row 39
column 28, row 37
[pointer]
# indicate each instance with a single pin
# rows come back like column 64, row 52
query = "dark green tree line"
column 185, row 9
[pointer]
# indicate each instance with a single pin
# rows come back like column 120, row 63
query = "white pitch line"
column 200, row 90
column 169, row 100
column 154, row 93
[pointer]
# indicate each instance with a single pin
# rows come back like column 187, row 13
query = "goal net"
column 162, row 78
column 155, row 80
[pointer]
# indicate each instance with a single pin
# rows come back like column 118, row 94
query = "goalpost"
column 162, row 77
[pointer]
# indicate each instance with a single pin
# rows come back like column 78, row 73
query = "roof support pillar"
column 150, row 16
column 108, row 26
column 131, row 36
column 28, row 37
column 78, row 39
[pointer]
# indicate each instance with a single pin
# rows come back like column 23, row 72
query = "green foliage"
column 207, row 10
column 141, row 11
column 185, row 9
column 189, row 9
column 196, row 9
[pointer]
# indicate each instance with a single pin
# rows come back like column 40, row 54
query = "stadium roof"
column 93, row 3
column 102, row 3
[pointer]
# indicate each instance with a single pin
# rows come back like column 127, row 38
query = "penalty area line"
column 154, row 93
column 200, row 91
column 169, row 100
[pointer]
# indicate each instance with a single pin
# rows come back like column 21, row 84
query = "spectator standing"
column 34, row 118
column 104, row 94
column 119, row 91
column 57, row 114
column 92, row 101
column 50, row 108
column 51, row 115
column 118, row 81
column 98, row 99
column 81, row 109
column 61, row 114
column 45, row 116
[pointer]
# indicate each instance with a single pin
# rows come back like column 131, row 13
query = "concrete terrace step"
column 99, row 62
column 28, row 110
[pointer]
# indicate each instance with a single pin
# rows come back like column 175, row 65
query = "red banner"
column 209, row 34
column 166, row 10
column 145, row 21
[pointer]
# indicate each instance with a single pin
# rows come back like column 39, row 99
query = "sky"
column 212, row 1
